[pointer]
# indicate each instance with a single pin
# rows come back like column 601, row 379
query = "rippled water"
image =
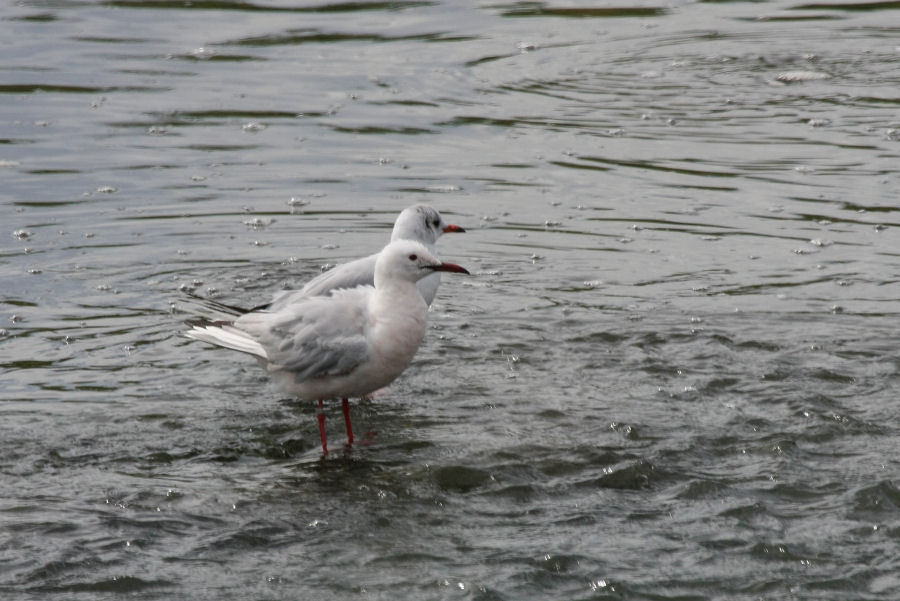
column 673, row 374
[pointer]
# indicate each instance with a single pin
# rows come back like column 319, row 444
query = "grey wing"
column 346, row 275
column 315, row 337
column 360, row 272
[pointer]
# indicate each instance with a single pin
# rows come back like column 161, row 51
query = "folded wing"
column 314, row 337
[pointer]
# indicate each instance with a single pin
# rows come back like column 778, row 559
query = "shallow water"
column 672, row 375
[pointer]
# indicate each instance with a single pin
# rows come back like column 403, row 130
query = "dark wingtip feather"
column 218, row 306
column 203, row 323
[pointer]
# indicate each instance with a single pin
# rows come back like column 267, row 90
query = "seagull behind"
column 420, row 222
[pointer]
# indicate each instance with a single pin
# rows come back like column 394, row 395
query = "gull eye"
column 413, row 257
column 436, row 223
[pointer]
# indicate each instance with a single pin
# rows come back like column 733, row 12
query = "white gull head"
column 423, row 223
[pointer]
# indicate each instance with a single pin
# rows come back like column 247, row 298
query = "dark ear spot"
column 413, row 257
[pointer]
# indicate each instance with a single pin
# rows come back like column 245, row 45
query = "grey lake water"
column 672, row 375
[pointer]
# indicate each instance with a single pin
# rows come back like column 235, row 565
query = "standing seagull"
column 421, row 223
column 349, row 343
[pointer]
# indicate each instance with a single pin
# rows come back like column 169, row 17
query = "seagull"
column 420, row 222
column 347, row 344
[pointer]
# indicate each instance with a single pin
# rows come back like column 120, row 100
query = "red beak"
column 454, row 228
column 451, row 267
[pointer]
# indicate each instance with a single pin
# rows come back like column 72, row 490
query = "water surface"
column 672, row 375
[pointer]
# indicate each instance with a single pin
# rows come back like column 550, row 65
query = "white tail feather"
column 228, row 337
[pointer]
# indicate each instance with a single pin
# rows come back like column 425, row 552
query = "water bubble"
column 444, row 188
column 22, row 234
column 106, row 190
column 257, row 223
column 819, row 122
column 820, row 242
column 801, row 76
column 202, row 53
column 253, row 126
column 526, row 46
column 34, row 271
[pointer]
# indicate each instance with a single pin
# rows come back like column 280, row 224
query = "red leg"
column 321, row 417
column 346, row 405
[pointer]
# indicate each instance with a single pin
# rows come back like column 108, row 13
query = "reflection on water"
column 672, row 375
